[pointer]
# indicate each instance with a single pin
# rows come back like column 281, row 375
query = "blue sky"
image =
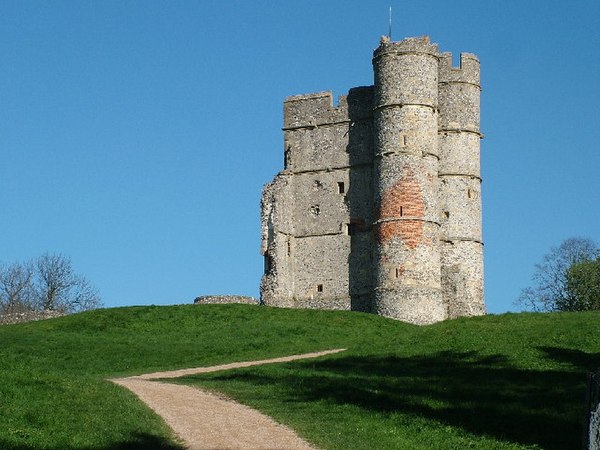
column 135, row 136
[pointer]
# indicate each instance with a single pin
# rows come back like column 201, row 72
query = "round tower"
column 406, row 222
column 460, row 186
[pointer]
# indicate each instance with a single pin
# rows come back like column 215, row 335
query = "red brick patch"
column 401, row 204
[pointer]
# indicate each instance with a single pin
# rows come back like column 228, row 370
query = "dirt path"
column 208, row 421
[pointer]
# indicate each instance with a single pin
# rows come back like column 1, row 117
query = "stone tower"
column 460, row 186
column 407, row 224
column 378, row 208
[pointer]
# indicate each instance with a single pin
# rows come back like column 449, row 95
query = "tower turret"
column 460, row 186
column 406, row 226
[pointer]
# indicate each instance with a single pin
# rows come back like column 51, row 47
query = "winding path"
column 203, row 420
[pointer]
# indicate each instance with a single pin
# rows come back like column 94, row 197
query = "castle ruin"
column 378, row 207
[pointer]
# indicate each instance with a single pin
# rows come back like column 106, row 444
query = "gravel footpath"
column 203, row 420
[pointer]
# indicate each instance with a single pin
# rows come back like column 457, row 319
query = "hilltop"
column 511, row 381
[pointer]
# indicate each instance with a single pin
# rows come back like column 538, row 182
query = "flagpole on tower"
column 390, row 24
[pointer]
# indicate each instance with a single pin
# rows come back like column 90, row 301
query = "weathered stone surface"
column 378, row 208
column 223, row 299
column 29, row 316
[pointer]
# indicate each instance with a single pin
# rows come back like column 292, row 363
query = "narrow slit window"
column 289, row 248
column 353, row 228
column 356, row 225
column 469, row 193
column 404, row 140
column 398, row 272
column 319, row 288
column 341, row 187
column 401, row 211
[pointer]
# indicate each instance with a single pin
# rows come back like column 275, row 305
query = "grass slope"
column 508, row 382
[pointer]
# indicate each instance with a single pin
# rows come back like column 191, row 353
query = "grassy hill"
column 513, row 381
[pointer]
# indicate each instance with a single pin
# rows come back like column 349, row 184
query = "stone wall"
column 223, row 299
column 28, row 316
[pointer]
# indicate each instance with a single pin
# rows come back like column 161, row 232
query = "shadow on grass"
column 579, row 360
column 484, row 395
column 140, row 441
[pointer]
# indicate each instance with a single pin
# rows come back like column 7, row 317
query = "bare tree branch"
column 47, row 284
column 16, row 289
column 59, row 288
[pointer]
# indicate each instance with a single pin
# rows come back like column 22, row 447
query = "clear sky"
column 135, row 136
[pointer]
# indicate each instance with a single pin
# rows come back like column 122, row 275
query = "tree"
column 47, row 284
column 583, row 283
column 59, row 288
column 16, row 288
column 551, row 290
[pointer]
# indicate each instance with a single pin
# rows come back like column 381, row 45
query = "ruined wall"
column 29, row 316
column 225, row 299
column 316, row 244
column 378, row 206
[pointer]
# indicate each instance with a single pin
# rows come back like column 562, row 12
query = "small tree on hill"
column 552, row 290
column 59, row 288
column 47, row 284
column 583, row 285
column 17, row 292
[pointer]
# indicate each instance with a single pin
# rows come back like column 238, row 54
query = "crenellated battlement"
column 419, row 44
column 467, row 72
column 314, row 110
column 406, row 73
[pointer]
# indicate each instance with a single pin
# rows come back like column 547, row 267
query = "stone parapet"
column 467, row 72
column 406, row 73
column 412, row 45
column 315, row 110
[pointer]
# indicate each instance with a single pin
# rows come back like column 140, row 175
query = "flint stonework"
column 378, row 206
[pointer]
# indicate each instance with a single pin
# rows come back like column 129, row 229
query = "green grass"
column 498, row 382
